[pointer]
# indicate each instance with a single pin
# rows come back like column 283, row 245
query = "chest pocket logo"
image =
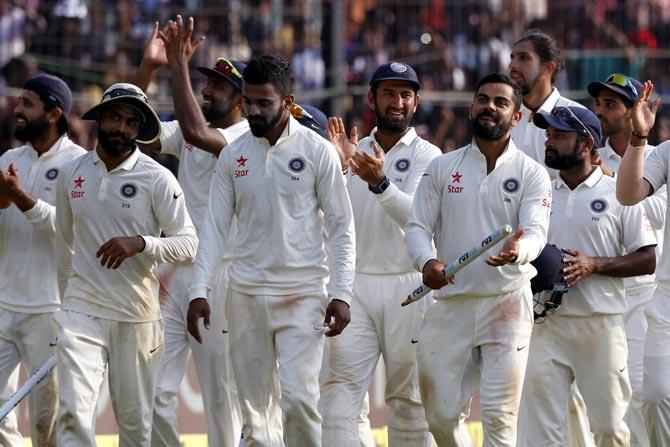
column 51, row 174
column 129, row 190
column 598, row 206
column 402, row 165
column 296, row 165
column 511, row 185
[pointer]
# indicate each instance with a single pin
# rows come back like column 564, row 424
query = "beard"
column 526, row 86
column 260, row 125
column 32, row 130
column 563, row 162
column 115, row 148
column 490, row 133
column 392, row 125
column 213, row 113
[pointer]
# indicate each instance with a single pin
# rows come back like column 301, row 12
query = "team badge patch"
column 128, row 190
column 402, row 165
column 398, row 67
column 51, row 174
column 511, row 185
column 296, row 165
column 598, row 205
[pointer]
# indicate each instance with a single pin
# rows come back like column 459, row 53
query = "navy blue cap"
column 395, row 71
column 548, row 265
column 625, row 86
column 310, row 117
column 571, row 119
column 53, row 91
column 230, row 70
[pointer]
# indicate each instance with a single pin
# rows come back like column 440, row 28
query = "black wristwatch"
column 381, row 187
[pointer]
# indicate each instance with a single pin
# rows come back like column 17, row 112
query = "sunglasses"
column 567, row 115
column 124, row 92
column 622, row 81
column 225, row 67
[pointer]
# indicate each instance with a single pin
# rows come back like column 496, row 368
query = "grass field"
column 475, row 429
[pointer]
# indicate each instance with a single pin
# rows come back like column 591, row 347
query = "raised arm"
column 180, row 48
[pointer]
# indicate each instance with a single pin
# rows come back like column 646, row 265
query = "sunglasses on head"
column 622, row 81
column 124, row 92
column 567, row 115
column 225, row 67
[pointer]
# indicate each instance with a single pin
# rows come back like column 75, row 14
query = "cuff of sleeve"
column 37, row 212
column 342, row 295
column 523, row 254
column 151, row 245
column 423, row 259
column 197, row 292
column 387, row 194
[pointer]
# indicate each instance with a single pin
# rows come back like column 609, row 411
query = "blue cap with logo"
column 230, row 70
column 571, row 119
column 395, row 71
column 310, row 117
column 625, row 86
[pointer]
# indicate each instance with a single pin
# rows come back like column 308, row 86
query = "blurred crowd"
column 92, row 43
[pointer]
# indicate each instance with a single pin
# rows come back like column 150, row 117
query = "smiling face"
column 32, row 121
column 492, row 112
column 394, row 103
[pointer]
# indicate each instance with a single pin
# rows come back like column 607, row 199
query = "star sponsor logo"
column 598, row 206
column 455, row 178
column 78, row 182
column 51, row 174
column 402, row 165
column 242, row 162
column 76, row 192
column 511, row 185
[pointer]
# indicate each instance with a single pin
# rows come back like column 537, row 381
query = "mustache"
column 488, row 115
column 20, row 116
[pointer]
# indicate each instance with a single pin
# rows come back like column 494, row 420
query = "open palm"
column 643, row 112
column 344, row 144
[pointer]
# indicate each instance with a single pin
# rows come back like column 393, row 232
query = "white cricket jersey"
column 195, row 165
column 138, row 197
column 458, row 204
column 529, row 138
column 380, row 218
column 591, row 220
column 276, row 193
column 656, row 172
column 654, row 207
column 28, row 281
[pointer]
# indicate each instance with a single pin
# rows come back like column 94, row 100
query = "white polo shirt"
column 195, row 165
column 27, row 240
column 139, row 197
column 458, row 205
column 529, row 138
column 276, row 193
column 654, row 206
column 380, row 218
column 591, row 220
column 656, row 169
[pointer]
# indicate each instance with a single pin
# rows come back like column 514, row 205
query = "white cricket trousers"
column 656, row 381
column 211, row 360
column 468, row 343
column 29, row 339
column 379, row 325
column 132, row 354
column 590, row 351
column 276, row 355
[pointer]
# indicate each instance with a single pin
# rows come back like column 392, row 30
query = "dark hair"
column 61, row 124
column 270, row 69
column 500, row 78
column 546, row 48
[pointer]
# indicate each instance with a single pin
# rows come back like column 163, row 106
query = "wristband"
column 385, row 183
column 641, row 137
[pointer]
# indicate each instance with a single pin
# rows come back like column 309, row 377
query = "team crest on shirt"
column 128, row 190
column 598, row 206
column 402, row 165
column 511, row 185
column 296, row 165
column 51, row 174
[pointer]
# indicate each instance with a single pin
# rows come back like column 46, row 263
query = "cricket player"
column 585, row 340
column 638, row 178
column 614, row 101
column 385, row 170
column 28, row 176
column 478, row 331
column 195, row 138
column 535, row 63
column 277, row 180
column 113, row 204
